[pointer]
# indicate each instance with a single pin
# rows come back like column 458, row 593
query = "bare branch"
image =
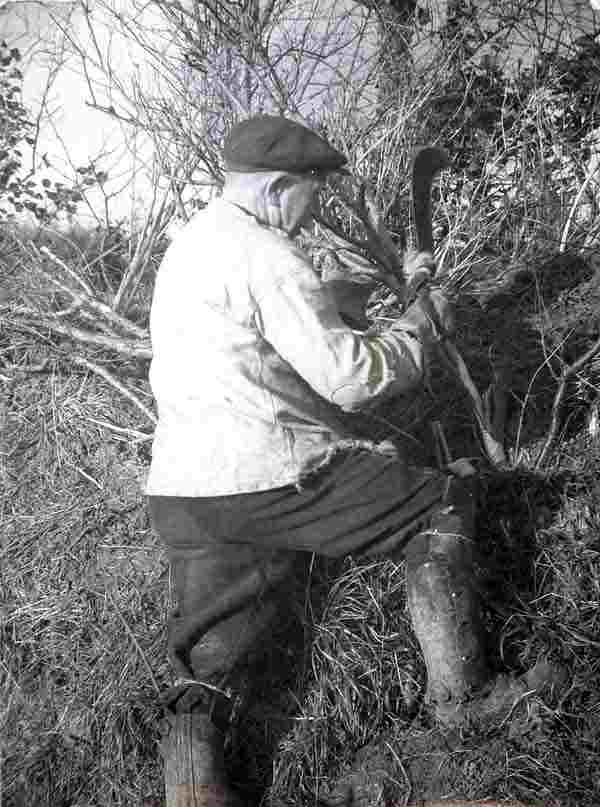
column 153, row 228
column 378, row 243
column 492, row 445
column 567, row 374
column 88, row 300
column 110, row 379
column 383, row 251
column 565, row 233
column 134, row 350
column 55, row 259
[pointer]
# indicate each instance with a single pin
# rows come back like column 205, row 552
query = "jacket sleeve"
column 298, row 316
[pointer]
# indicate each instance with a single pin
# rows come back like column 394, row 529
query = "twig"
column 495, row 403
column 546, row 363
column 556, row 404
column 565, row 233
column 426, row 165
column 456, row 364
column 91, row 302
column 379, row 241
column 138, row 436
column 110, row 379
column 128, row 279
column 55, row 259
column 398, row 761
column 378, row 231
column 443, row 455
column 380, row 245
column 135, row 642
column 339, row 237
column 153, row 226
column 396, row 429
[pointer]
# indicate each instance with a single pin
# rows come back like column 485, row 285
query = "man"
column 253, row 364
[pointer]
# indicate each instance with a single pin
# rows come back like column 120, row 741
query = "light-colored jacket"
column 252, row 363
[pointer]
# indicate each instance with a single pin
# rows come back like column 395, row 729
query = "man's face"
column 297, row 201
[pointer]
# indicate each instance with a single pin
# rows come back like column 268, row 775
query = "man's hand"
column 419, row 267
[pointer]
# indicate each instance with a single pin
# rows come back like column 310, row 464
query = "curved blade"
column 428, row 162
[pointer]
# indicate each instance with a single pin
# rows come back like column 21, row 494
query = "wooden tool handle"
column 428, row 162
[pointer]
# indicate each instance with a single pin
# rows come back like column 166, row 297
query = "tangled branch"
column 384, row 262
column 567, row 374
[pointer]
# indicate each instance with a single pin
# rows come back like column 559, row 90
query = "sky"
column 74, row 131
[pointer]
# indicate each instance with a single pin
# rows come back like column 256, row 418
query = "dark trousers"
column 229, row 554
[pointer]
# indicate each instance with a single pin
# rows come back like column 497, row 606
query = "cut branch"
column 456, row 364
column 121, row 346
column 382, row 250
column 67, row 269
column 378, row 243
column 153, row 227
column 98, row 307
column 110, row 379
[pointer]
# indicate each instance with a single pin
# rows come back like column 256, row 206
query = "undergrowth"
column 337, row 699
column 85, row 600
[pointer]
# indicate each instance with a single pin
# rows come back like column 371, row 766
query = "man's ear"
column 278, row 186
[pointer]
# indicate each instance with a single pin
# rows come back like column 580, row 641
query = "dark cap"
column 274, row 143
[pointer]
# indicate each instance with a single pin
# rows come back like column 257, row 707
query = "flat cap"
column 274, row 143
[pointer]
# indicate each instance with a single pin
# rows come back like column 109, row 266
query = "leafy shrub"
column 20, row 190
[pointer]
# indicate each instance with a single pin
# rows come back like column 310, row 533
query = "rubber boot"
column 193, row 750
column 445, row 607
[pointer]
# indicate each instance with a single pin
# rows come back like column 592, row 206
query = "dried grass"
column 84, row 590
column 365, row 678
column 539, row 541
column 84, row 600
column 85, row 596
